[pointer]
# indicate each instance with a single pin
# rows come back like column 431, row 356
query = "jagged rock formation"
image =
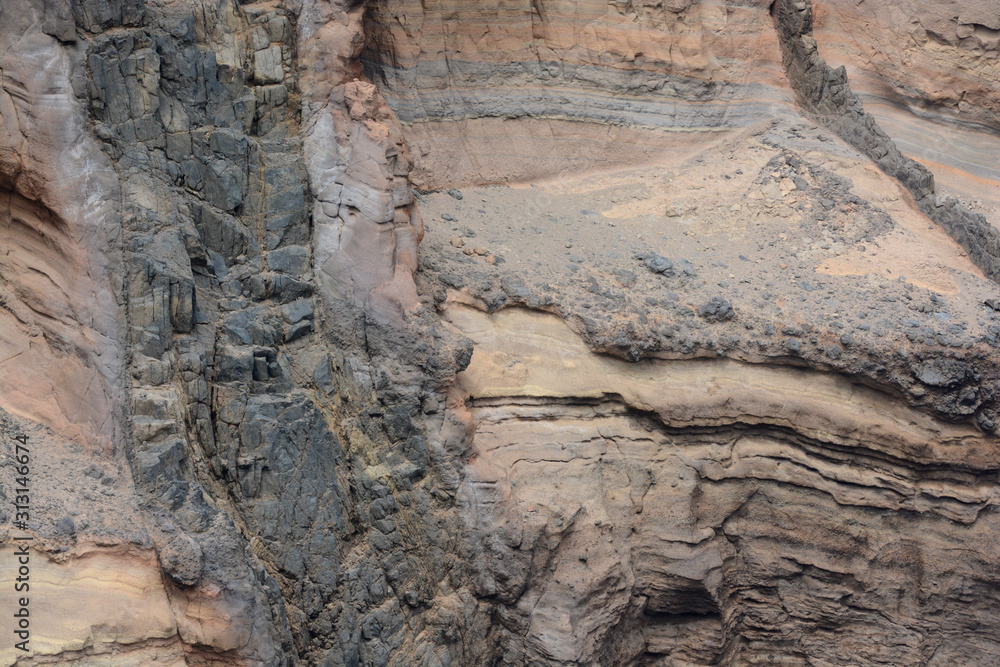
column 209, row 228
column 826, row 93
column 713, row 390
column 925, row 65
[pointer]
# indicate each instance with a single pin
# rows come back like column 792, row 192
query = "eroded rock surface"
column 498, row 91
column 548, row 333
column 673, row 511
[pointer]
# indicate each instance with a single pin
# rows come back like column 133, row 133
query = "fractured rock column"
column 367, row 225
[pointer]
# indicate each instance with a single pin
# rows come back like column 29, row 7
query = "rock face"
column 827, row 94
column 500, row 91
column 703, row 510
column 950, row 68
column 690, row 364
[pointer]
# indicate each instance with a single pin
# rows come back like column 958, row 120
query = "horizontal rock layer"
column 665, row 66
column 709, row 510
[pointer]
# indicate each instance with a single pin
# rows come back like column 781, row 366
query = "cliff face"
column 690, row 363
column 928, row 73
column 498, row 91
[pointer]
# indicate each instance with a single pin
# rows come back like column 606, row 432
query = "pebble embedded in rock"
column 66, row 526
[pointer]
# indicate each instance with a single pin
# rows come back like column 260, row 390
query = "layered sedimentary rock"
column 928, row 73
column 707, row 510
column 716, row 386
column 526, row 90
column 665, row 501
column 825, row 93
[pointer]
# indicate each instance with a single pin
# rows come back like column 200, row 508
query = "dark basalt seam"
column 825, row 94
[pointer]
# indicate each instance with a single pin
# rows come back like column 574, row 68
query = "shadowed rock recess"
column 549, row 332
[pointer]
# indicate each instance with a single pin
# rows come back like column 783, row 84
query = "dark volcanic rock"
column 716, row 310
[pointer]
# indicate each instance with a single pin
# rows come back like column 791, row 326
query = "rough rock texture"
column 695, row 368
column 61, row 264
column 939, row 106
column 227, row 415
column 735, row 516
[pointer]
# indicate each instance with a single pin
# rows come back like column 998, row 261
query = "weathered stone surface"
column 825, row 92
column 950, row 71
column 613, row 534
column 536, row 88
column 269, row 431
column 60, row 268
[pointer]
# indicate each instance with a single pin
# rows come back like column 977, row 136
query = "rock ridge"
column 826, row 94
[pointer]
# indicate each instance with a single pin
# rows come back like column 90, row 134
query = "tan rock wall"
column 478, row 78
column 60, row 262
column 99, row 598
column 707, row 511
column 281, row 465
